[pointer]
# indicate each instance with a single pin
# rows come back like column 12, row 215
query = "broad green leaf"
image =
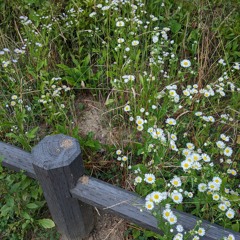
column 26, row 215
column 175, row 26
column 32, row 133
column 236, row 227
column 5, row 210
column 46, row 223
column 32, row 205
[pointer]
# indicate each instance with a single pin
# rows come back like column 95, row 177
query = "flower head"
column 149, row 205
column 177, row 197
column 127, row 108
column 171, row 121
column 230, row 213
column 149, row 178
column 120, row 24
column 176, row 182
column 135, row 42
column 185, row 63
column 201, row 232
column 228, row 151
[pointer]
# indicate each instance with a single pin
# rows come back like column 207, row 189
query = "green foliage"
column 21, row 206
column 52, row 53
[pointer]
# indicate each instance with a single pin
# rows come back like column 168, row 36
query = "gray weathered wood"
column 16, row 159
column 58, row 166
column 128, row 206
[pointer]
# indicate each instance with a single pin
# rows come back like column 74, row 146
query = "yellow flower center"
column 176, row 197
column 167, row 214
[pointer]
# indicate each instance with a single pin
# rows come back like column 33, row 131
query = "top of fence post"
column 58, row 165
column 56, row 151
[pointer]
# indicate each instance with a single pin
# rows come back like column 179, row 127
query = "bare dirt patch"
column 92, row 118
column 108, row 227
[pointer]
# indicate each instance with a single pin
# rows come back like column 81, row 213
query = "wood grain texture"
column 16, row 159
column 128, row 206
column 58, row 165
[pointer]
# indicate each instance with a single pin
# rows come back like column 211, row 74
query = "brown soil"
column 108, row 227
column 93, row 118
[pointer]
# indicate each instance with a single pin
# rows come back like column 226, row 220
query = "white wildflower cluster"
column 169, row 215
column 213, row 188
column 236, row 66
column 205, row 118
column 140, row 122
column 226, row 117
column 190, row 90
column 173, row 93
column 194, row 159
column 154, row 198
column 7, row 56
column 127, row 78
column 207, row 92
column 120, row 156
column 157, row 133
column 226, row 150
column 24, row 20
column 53, row 90
column 222, row 62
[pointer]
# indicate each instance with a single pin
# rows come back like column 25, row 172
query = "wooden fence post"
column 58, row 166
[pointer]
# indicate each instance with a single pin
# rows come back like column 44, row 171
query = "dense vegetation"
column 168, row 74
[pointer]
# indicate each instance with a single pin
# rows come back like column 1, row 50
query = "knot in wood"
column 66, row 143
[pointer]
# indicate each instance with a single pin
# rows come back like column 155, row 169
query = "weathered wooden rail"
column 57, row 164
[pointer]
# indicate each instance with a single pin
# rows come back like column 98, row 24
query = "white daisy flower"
column 220, row 144
column 201, row 232
column 202, row 187
column 171, row 121
column 118, row 152
column 217, row 180
column 190, row 146
column 186, row 165
column 156, row 196
column 176, row 182
column 205, row 157
column 222, row 207
column 149, row 178
column 172, row 219
column 185, row 63
column 135, row 42
column 127, row 108
column 228, row 151
column 138, row 179
column 167, row 213
column 149, row 205
column 230, row 213
column 120, row 24
column 224, row 137
column 177, row 197
column 230, row 237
